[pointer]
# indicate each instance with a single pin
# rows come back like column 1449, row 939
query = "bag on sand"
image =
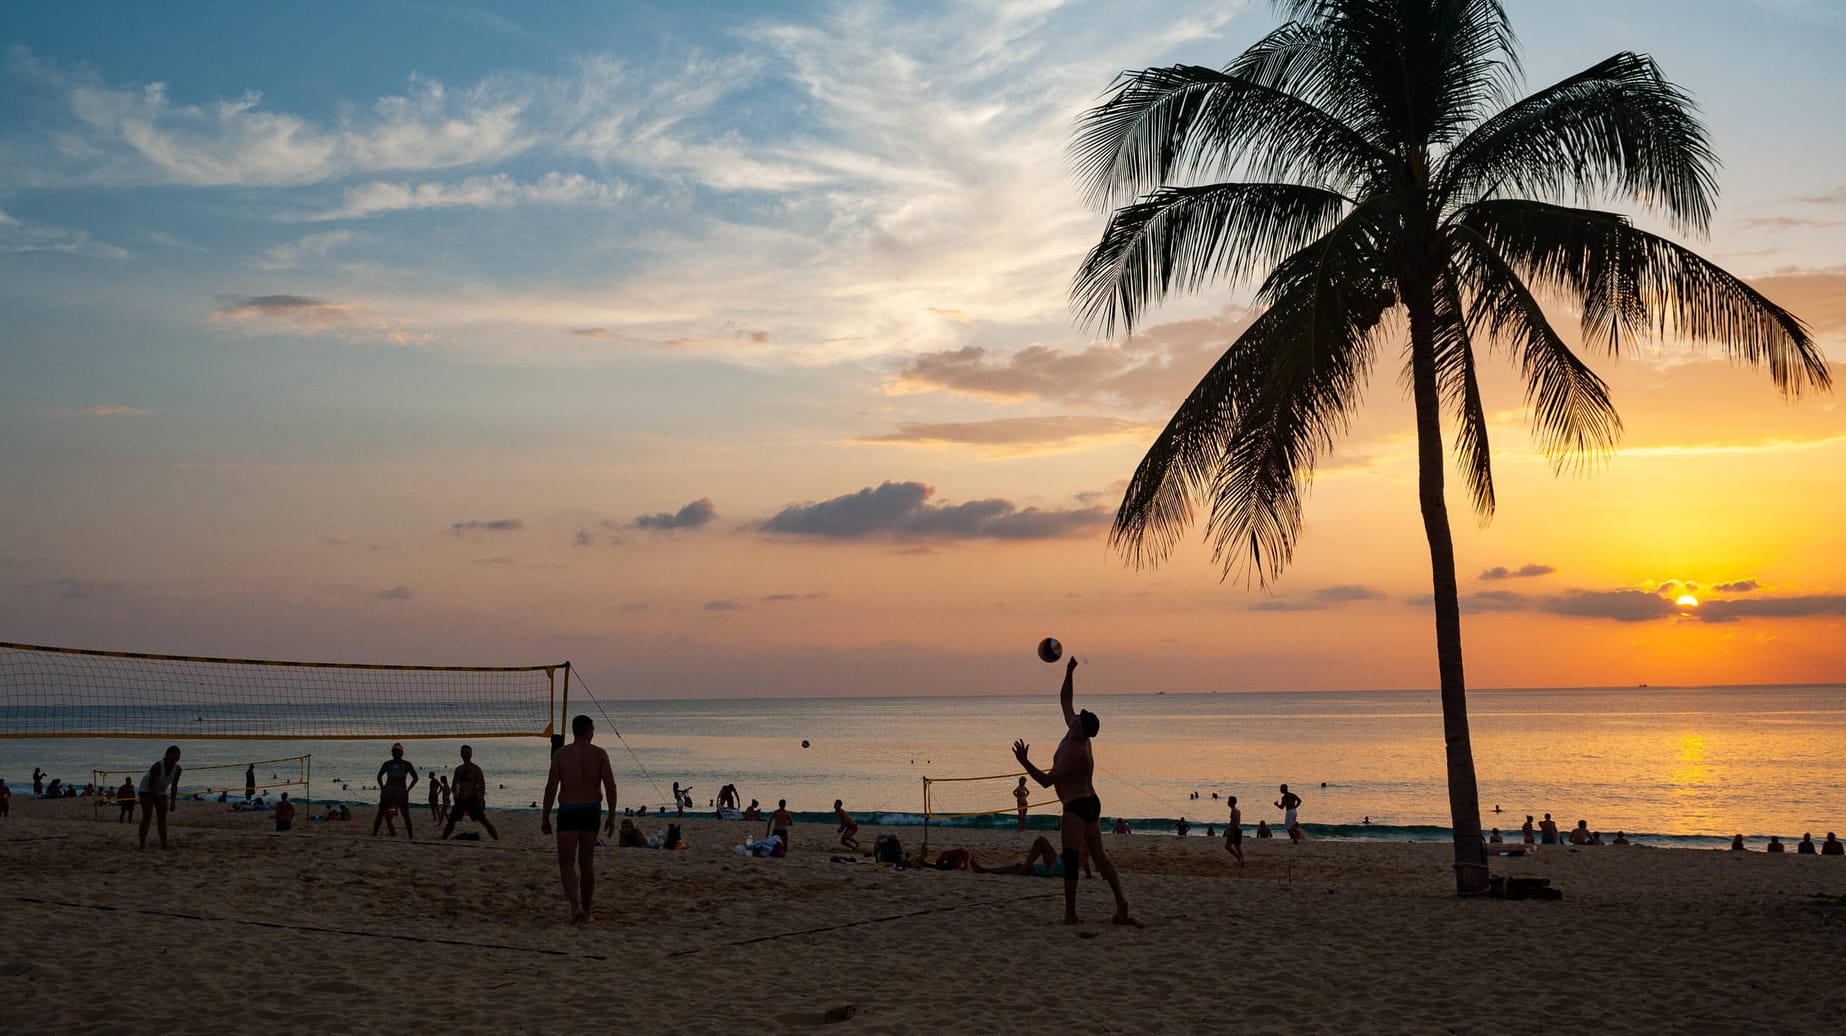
column 887, row 850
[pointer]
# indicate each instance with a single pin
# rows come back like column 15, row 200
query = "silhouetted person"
column 1233, row 832
column 160, row 793
column 1288, row 804
column 470, row 786
column 1806, row 848
column 394, row 792
column 580, row 779
column 1832, row 846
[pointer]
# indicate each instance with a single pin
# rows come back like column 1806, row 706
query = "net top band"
column 303, row 665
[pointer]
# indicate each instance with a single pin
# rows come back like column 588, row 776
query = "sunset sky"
column 725, row 350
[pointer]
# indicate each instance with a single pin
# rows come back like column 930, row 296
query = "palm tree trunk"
column 1464, row 797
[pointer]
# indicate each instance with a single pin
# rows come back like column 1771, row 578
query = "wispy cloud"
column 496, row 525
column 296, row 253
column 17, row 235
column 1528, row 571
column 497, row 191
column 107, row 410
column 695, row 515
column 1318, row 600
column 1015, row 434
column 306, row 315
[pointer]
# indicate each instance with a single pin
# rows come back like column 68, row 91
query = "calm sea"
column 1675, row 766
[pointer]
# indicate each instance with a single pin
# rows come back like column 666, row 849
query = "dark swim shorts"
column 1234, row 836
column 580, row 816
column 1087, row 809
column 476, row 807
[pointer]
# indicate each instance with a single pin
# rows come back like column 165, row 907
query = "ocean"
column 1669, row 766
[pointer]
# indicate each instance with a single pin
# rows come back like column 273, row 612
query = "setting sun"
column 1687, row 601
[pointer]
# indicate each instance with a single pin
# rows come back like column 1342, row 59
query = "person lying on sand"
column 1041, row 862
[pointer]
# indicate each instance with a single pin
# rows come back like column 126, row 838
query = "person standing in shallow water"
column 1072, row 773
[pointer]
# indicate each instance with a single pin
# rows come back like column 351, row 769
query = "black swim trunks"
column 580, row 816
column 1087, row 809
column 475, row 807
column 1234, row 835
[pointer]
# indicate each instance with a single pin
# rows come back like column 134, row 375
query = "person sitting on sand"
column 1072, row 774
column 1121, row 827
column 285, row 813
column 1806, row 848
column 579, row 781
column 1262, row 829
column 1547, row 831
column 1775, row 845
column 393, row 792
column 849, row 828
column 125, row 798
column 1580, row 835
column 630, row 837
column 159, row 793
column 755, row 812
column 1525, row 832
column 1832, row 847
column 780, row 822
column 1042, row 861
column 1495, row 839
column 345, row 814
column 1621, row 839
column 1233, row 832
column 1182, row 827
column 1737, row 844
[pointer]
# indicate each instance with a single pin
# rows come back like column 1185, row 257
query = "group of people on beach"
column 1805, row 847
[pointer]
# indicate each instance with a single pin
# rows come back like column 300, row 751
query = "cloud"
column 497, row 525
column 724, row 606
column 695, row 515
column 1620, row 605
column 901, row 511
column 1015, row 434
column 1772, row 607
column 138, row 134
column 396, row 593
column 1319, row 600
column 1522, row 572
column 498, row 191
column 17, row 235
column 313, row 246
column 305, row 315
column 107, row 410
column 1789, row 222
column 583, row 539
column 794, row 597
column 1741, row 586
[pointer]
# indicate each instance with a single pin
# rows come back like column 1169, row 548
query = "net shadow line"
column 861, row 923
column 356, row 932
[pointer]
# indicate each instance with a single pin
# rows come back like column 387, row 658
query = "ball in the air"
column 1049, row 650
column 804, row 744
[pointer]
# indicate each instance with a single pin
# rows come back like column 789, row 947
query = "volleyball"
column 1049, row 650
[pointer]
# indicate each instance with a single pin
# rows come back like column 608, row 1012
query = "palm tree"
column 1366, row 155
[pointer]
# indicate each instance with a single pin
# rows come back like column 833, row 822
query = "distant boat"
column 1640, row 685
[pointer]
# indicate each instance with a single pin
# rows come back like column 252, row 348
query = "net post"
column 307, row 808
column 925, row 857
column 564, row 713
column 96, row 794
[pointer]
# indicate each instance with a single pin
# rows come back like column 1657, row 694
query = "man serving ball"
column 1072, row 770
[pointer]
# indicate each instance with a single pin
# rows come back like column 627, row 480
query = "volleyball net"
column 215, row 782
column 957, row 798
column 48, row 692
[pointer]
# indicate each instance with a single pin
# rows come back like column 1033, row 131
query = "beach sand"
column 238, row 929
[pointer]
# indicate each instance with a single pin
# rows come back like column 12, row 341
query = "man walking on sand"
column 393, row 792
column 1073, row 768
column 470, row 785
column 1233, row 832
column 1288, row 804
column 580, row 779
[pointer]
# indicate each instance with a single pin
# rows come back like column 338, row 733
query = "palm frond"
column 1186, row 122
column 1180, row 238
column 1573, row 420
column 1617, row 128
column 1459, row 384
column 1631, row 283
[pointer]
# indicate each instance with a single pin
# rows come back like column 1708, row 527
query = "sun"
column 1687, row 601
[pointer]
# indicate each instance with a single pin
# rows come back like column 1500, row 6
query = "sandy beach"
column 238, row 928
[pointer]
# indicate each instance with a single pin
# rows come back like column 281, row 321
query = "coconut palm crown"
column 1370, row 158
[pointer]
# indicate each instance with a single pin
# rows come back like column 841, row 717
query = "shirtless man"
column 727, row 797
column 1023, row 797
column 1288, row 804
column 1525, row 832
column 160, row 793
column 580, row 779
column 393, row 793
column 849, row 828
column 1548, row 831
column 780, row 822
column 470, row 786
column 1072, row 770
column 1233, row 832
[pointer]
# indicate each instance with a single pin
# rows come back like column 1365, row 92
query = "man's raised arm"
column 1065, row 694
column 1020, row 749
